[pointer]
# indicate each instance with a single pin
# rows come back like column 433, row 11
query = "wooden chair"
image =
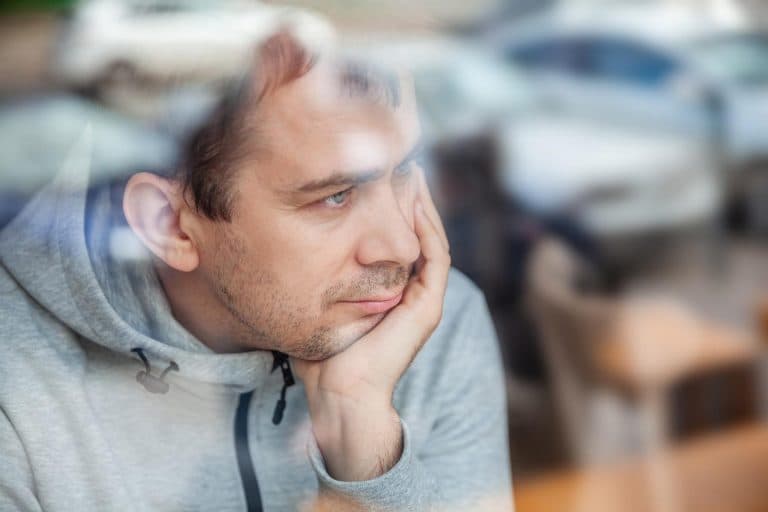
column 597, row 423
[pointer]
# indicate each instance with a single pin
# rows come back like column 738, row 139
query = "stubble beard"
column 273, row 324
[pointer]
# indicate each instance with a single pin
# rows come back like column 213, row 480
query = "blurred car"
column 666, row 67
column 37, row 134
column 619, row 181
column 108, row 41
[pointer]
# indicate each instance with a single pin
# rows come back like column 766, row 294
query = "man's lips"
column 375, row 305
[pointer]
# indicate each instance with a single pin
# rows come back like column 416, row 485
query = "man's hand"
column 350, row 394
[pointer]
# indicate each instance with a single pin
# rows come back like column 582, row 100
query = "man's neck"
column 195, row 307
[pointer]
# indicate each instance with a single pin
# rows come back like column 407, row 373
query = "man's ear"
column 154, row 208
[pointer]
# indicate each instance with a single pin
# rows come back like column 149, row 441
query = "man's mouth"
column 378, row 304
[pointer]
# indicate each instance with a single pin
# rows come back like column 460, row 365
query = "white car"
column 667, row 67
column 620, row 181
column 173, row 40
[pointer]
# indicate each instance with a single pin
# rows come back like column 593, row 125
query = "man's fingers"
column 436, row 258
column 430, row 209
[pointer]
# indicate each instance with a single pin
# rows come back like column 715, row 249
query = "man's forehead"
column 348, row 91
column 312, row 128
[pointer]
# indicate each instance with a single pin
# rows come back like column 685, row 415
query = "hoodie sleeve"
column 15, row 476
column 465, row 463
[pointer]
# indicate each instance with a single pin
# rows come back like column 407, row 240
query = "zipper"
column 244, row 461
column 281, row 361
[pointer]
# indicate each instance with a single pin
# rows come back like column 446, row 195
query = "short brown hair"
column 209, row 159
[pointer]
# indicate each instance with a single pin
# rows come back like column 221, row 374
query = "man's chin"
column 356, row 331
column 345, row 336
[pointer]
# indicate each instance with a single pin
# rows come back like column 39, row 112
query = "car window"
column 629, row 62
column 603, row 58
column 564, row 54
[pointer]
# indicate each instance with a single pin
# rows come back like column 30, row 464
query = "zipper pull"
column 281, row 361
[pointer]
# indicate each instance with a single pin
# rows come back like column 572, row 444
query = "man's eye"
column 338, row 199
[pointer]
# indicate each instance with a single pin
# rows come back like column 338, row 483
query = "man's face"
column 323, row 227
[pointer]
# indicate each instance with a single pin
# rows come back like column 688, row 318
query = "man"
column 296, row 238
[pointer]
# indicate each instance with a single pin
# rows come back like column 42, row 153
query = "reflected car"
column 667, row 68
column 37, row 134
column 159, row 41
column 617, row 180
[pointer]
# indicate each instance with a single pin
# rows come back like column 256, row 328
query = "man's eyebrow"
column 338, row 179
column 351, row 179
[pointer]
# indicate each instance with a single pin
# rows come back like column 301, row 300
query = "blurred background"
column 601, row 168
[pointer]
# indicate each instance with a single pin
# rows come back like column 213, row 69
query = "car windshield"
column 741, row 58
column 474, row 85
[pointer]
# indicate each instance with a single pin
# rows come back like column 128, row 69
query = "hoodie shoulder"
column 460, row 291
column 463, row 304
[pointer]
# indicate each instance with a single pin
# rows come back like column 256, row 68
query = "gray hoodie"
column 86, row 425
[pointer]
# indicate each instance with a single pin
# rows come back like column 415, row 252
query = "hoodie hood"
column 46, row 249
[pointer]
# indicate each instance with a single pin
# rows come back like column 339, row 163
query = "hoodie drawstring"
column 155, row 384
column 150, row 382
column 281, row 361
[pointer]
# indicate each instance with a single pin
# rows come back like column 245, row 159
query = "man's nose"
column 388, row 234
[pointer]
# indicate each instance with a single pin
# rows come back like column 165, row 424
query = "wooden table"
column 724, row 472
column 654, row 344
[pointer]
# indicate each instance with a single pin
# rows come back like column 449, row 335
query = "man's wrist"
column 359, row 439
